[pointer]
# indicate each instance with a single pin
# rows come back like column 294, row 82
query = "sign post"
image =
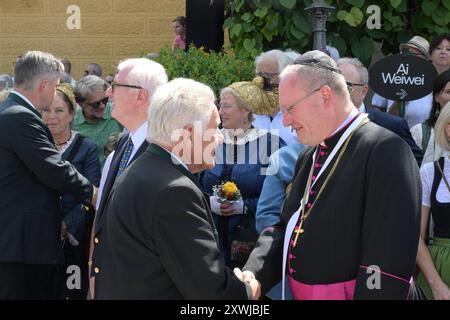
column 402, row 78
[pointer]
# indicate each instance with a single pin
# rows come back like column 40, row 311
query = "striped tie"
column 125, row 157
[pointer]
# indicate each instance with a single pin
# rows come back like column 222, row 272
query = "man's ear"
column 325, row 94
column 143, row 96
column 42, row 85
column 365, row 90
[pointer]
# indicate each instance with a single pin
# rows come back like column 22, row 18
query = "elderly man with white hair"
column 269, row 65
column 342, row 233
column 160, row 241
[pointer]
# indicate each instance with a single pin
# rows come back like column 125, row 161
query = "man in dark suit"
column 357, row 78
column 159, row 240
column 32, row 179
column 130, row 93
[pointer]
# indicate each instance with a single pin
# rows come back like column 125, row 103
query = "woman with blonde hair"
column 242, row 159
column 434, row 262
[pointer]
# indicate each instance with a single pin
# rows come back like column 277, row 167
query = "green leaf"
column 395, row 3
column 356, row 3
column 342, row 14
column 446, row 4
column 246, row 17
column 299, row 35
column 429, row 7
column 339, row 44
column 249, row 44
column 228, row 22
column 288, row 4
column 268, row 34
column 247, row 27
column 235, row 30
column 261, row 12
column 301, row 22
column 354, row 17
column 363, row 49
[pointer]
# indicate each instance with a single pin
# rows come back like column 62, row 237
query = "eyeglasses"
column 351, row 86
column 96, row 104
column 115, row 84
column 294, row 105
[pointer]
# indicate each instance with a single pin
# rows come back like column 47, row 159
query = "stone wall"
column 110, row 30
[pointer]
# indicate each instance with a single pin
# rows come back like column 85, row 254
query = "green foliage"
column 261, row 25
column 217, row 70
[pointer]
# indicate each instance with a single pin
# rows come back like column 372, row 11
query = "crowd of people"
column 119, row 176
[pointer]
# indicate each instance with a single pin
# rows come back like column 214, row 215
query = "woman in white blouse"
column 434, row 262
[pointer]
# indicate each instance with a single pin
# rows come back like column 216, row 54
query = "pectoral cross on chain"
column 298, row 231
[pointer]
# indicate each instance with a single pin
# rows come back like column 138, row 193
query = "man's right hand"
column 249, row 277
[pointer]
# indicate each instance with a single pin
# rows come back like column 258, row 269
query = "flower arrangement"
column 227, row 192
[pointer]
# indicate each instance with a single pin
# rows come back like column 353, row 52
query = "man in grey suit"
column 159, row 239
column 32, row 179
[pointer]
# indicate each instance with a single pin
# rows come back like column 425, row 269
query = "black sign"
column 402, row 77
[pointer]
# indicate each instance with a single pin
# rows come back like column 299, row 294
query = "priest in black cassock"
column 349, row 227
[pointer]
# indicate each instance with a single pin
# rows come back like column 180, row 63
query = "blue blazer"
column 86, row 161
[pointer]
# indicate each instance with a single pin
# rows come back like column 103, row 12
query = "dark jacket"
column 159, row 240
column 86, row 161
column 398, row 126
column 32, row 179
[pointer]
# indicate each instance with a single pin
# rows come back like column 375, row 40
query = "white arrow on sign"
column 402, row 94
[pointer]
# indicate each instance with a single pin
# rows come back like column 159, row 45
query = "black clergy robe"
column 367, row 215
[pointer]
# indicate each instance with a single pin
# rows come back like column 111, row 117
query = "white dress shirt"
column 138, row 137
column 275, row 126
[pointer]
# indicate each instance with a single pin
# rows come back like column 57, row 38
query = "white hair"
column 177, row 104
column 145, row 73
column 281, row 57
column 362, row 70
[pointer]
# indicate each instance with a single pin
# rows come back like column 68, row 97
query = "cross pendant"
column 298, row 232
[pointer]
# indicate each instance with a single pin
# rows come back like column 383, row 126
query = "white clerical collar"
column 139, row 135
column 24, row 98
column 349, row 118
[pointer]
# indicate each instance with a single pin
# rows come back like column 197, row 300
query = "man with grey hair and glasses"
column 357, row 79
column 342, row 233
column 269, row 65
column 131, row 94
column 33, row 177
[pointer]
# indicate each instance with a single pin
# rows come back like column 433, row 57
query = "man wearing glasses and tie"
column 93, row 117
column 130, row 93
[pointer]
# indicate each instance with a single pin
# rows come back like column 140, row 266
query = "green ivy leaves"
column 260, row 25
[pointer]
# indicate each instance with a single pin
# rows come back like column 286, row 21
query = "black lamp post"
column 319, row 12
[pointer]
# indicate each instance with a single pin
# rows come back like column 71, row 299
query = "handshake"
column 249, row 278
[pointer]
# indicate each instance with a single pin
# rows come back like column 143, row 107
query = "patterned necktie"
column 125, row 157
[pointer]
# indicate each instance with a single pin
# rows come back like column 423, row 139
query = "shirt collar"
column 24, row 98
column 140, row 134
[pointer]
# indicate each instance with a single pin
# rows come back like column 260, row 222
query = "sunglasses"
column 96, row 104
